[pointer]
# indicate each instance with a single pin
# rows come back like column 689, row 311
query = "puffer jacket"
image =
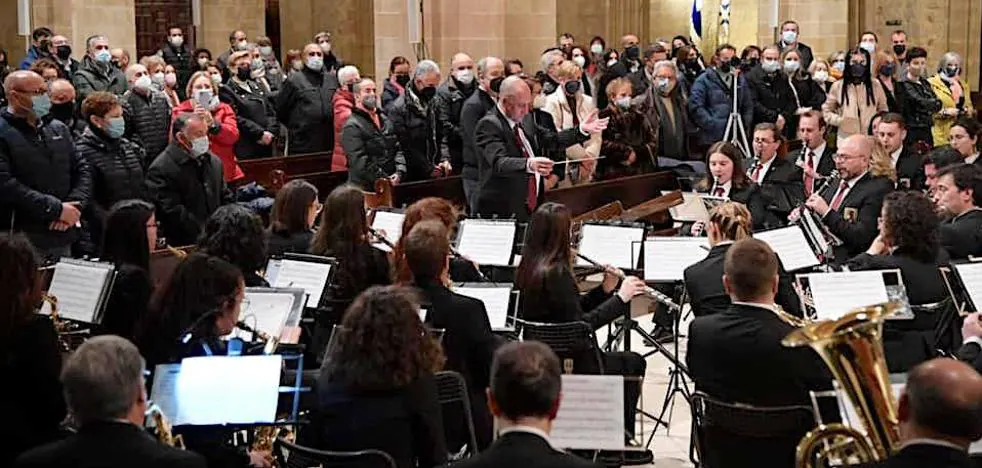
column 343, row 102
column 223, row 135
column 118, row 172
column 420, row 135
column 450, row 97
column 305, row 106
column 711, row 103
column 147, row 121
column 373, row 150
column 92, row 77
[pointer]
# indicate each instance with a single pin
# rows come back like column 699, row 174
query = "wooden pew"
column 273, row 173
column 450, row 188
column 608, row 211
column 630, row 191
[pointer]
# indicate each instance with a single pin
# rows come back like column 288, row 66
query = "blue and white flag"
column 695, row 23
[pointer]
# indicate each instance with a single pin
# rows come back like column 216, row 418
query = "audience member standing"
column 146, row 113
column 97, row 73
column 369, row 142
column 951, row 88
column 254, row 114
column 711, row 98
column 415, row 121
column 304, row 105
column 450, row 96
column 177, row 54
column 395, row 84
column 342, row 103
column 223, row 131
column 852, row 101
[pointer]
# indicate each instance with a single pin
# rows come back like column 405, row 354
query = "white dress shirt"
column 971, row 159
column 764, row 167
column 528, row 149
column 852, row 184
column 726, row 189
column 895, row 156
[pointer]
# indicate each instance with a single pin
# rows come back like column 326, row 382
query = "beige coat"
column 562, row 115
column 853, row 118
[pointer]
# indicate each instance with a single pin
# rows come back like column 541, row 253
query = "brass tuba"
column 852, row 348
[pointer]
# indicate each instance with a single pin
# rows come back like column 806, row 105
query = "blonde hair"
column 151, row 62
column 880, row 162
column 568, row 70
column 616, row 85
column 197, row 76
column 733, row 220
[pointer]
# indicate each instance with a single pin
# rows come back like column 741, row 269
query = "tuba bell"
column 852, row 348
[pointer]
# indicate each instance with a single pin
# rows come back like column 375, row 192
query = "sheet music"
column 815, row 231
column 837, row 293
column 496, row 300
column 618, row 246
column 711, row 202
column 791, row 247
column 390, row 224
column 487, row 242
column 309, row 276
column 692, row 208
column 265, row 311
column 228, row 390
column 79, row 287
column 591, row 413
column 971, row 276
column 666, row 258
column 164, row 391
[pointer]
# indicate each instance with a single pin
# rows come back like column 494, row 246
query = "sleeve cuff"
column 973, row 339
column 582, row 132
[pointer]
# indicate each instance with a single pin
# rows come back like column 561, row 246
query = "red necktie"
column 531, row 198
column 839, row 196
column 718, row 192
column 809, row 180
column 756, row 173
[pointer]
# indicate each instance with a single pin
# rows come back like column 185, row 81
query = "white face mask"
column 325, row 47
column 580, row 61
column 158, row 78
column 199, row 146
column 868, row 46
column 242, row 45
column 465, row 76
column 177, row 41
column 821, row 76
column 789, row 36
column 791, row 66
column 143, row 82
column 597, row 49
column 266, row 50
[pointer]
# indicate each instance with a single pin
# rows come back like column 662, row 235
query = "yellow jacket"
column 942, row 124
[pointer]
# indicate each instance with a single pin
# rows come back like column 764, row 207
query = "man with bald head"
column 305, row 105
column 459, row 85
column 940, row 415
column 509, row 145
column 62, row 95
column 490, row 74
column 851, row 206
column 146, row 112
column 44, row 183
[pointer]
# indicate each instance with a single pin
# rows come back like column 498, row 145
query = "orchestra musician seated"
column 908, row 241
column 550, row 295
column 934, row 162
column 971, row 350
column 524, row 395
column 737, row 357
column 780, row 181
column 31, row 401
column 462, row 270
column 376, row 388
column 891, row 132
column 816, row 158
column 727, row 179
column 292, row 219
column 468, row 341
column 630, row 142
column 107, row 396
column 235, row 234
column 129, row 236
column 849, row 209
column 959, row 195
column 728, row 223
column 940, row 413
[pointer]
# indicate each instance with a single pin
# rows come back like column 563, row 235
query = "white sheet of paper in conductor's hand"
column 791, row 247
column 486, row 242
column 496, row 301
column 228, row 390
column 78, row 289
column 591, row 413
column 611, row 245
column 836, row 294
column 309, row 276
column 971, row 276
column 666, row 258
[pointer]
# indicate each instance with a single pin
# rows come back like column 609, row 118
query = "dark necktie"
column 809, row 180
column 531, row 198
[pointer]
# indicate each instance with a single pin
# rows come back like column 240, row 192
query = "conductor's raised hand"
column 630, row 287
column 594, row 125
column 540, row 165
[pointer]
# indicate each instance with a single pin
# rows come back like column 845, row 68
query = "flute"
column 648, row 290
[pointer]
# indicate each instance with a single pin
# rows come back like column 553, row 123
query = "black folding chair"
column 452, row 394
column 573, row 342
column 290, row 455
column 947, row 329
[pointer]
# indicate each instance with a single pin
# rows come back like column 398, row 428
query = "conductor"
column 510, row 174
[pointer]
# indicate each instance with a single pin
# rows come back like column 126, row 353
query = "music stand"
column 735, row 133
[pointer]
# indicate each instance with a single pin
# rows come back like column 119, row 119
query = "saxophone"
column 62, row 328
column 164, row 433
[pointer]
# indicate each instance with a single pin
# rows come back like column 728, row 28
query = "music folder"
column 591, row 413
column 389, row 223
column 970, row 277
column 218, row 390
column 691, row 210
column 618, row 246
column 82, row 289
column 487, row 242
column 791, row 247
column 666, row 258
column 312, row 273
column 500, row 301
column 836, row 294
column 270, row 310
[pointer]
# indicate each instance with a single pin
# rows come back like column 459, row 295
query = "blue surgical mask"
column 103, row 56
column 115, row 127
column 41, row 105
column 770, row 66
column 315, row 63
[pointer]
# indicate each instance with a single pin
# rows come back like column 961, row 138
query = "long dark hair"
column 547, row 247
column 235, row 234
column 866, row 79
column 912, row 224
column 343, row 234
column 739, row 178
column 20, row 285
column 202, row 284
column 124, row 240
column 290, row 209
column 382, row 344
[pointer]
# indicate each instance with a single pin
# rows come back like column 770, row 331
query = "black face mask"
column 632, row 52
column 63, row 112
column 243, row 73
column 571, row 87
column 724, row 66
column 427, row 93
column 64, row 52
column 403, row 80
column 899, row 49
column 496, row 84
column 751, row 62
column 858, row 70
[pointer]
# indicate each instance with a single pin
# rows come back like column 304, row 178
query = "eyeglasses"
column 844, row 157
column 762, row 142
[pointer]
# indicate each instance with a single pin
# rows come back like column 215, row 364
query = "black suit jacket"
column 704, row 285
column 925, row 455
column 783, row 187
column 972, row 354
column 109, row 445
column 186, row 191
column 962, row 236
column 866, row 199
column 524, row 449
column 910, row 171
column 475, row 108
column 501, row 163
column 753, row 197
column 826, row 161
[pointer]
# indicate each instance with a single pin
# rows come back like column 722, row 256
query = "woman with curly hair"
column 235, row 234
column 909, row 240
column 376, row 388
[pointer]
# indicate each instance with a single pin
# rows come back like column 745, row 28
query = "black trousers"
column 631, row 365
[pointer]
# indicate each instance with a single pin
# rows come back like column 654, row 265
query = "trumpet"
column 648, row 290
column 164, row 433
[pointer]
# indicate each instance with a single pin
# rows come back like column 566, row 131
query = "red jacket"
column 343, row 102
column 223, row 142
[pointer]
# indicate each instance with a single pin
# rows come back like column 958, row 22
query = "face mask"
column 216, row 79
column 840, row 66
column 203, row 61
column 789, row 37
column 624, row 103
column 315, row 63
column 403, row 80
column 664, row 85
column 427, row 93
column 858, row 70
column 63, row 112
column 868, row 46
column 266, row 50
column 243, row 73
column 770, row 66
column 632, row 52
column 41, row 105
column 887, row 69
column 325, row 47
column 144, row 82
column 597, row 49
column 580, row 61
column 724, row 66
column 115, row 127
column 177, row 41
column 103, row 56
column 539, row 102
column 465, row 77
column 612, row 62
column 297, row 65
column 951, row 71
column 791, row 66
column 495, row 84
column 369, row 102
column 158, row 78
column 200, row 146
column 571, row 87
column 899, row 49
column 242, row 45
column 170, row 80
column 64, row 51
column 751, row 62
column 821, row 76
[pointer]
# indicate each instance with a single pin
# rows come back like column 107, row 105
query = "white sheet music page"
column 164, row 391
column 265, row 311
column 591, row 413
column 611, row 245
column 389, row 224
column 692, row 208
column 666, row 258
column 309, row 276
column 971, row 276
column 791, row 247
column 228, row 390
column 838, row 293
column 487, row 242
column 78, row 287
column 496, row 300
